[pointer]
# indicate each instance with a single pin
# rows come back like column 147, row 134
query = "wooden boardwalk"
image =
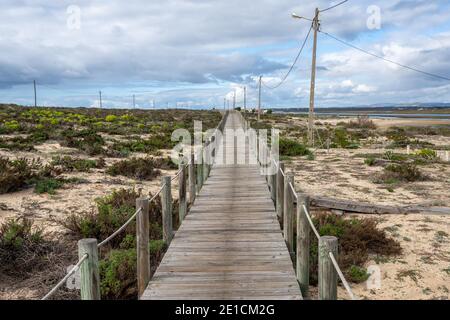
column 230, row 245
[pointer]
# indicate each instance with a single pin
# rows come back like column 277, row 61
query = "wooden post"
column 273, row 178
column 199, row 170
column 280, row 191
column 327, row 273
column 142, row 240
column 303, row 244
column 205, row 163
column 192, row 179
column 166, row 203
column 288, row 219
column 90, row 278
column 182, row 192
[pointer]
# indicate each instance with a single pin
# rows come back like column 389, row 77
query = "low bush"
column 362, row 122
column 291, row 148
column 136, row 168
column 48, row 185
column 85, row 140
column 23, row 248
column 357, row 274
column 75, row 164
column 405, row 172
column 118, row 270
column 341, row 138
column 112, row 212
column 357, row 239
column 370, row 161
column 426, row 154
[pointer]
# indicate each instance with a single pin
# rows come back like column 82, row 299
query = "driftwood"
column 360, row 207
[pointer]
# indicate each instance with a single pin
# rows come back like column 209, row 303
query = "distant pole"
column 234, row 99
column 134, row 101
column 313, row 81
column 245, row 98
column 228, row 104
column 35, row 95
column 259, row 98
column 100, row 94
column 224, row 103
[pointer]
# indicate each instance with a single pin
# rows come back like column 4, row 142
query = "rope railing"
column 311, row 224
column 341, row 276
column 67, row 276
column 136, row 213
column 115, row 233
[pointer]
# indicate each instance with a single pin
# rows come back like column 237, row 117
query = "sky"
column 193, row 53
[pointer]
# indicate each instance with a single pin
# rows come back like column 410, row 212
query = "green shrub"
column 406, row 172
column 112, row 212
column 341, row 138
column 22, row 248
column 21, row 173
column 292, row 148
column 118, row 270
column 48, row 185
column 74, row 164
column 426, row 154
column 357, row 274
column 391, row 156
column 370, row 161
column 118, row 275
column 85, row 140
column 110, row 118
column 357, row 238
column 136, row 168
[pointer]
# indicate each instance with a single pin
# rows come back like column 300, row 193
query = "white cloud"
column 218, row 45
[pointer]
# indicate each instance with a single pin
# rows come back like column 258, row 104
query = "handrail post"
column 205, row 163
column 273, row 179
column 199, row 169
column 166, row 204
column 280, row 191
column 142, row 244
column 192, row 179
column 90, row 277
column 327, row 274
column 288, row 219
column 303, row 244
column 182, row 191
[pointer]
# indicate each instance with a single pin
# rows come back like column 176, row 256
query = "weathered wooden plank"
column 230, row 245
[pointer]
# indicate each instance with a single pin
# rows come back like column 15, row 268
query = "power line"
column 385, row 59
column 293, row 64
column 332, row 7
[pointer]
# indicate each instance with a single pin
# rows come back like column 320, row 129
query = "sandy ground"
column 340, row 174
column 422, row 271
column 72, row 198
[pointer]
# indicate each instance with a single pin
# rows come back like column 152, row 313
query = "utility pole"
column 134, row 101
column 35, row 95
column 100, row 94
column 313, row 81
column 259, row 98
column 234, row 99
column 228, row 104
column 245, row 98
column 224, row 103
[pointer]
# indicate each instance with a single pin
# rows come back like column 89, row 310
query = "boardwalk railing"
column 293, row 206
column 194, row 170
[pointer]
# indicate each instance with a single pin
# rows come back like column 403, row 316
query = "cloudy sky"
column 192, row 53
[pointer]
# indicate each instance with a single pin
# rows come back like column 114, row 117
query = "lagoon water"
column 418, row 116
